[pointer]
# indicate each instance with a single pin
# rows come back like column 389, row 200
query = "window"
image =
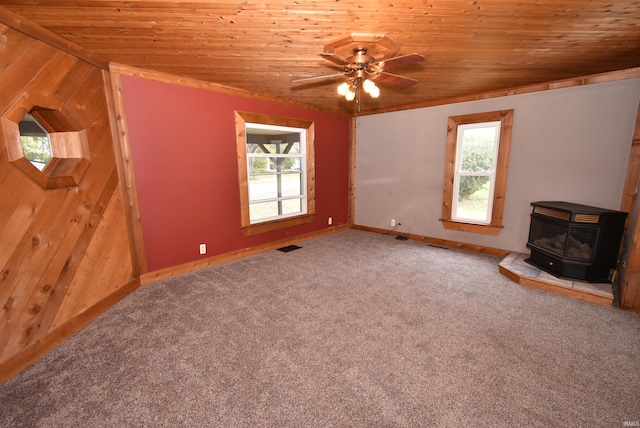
column 275, row 171
column 45, row 141
column 36, row 145
column 476, row 171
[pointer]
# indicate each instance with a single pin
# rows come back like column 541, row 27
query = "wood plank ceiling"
column 470, row 46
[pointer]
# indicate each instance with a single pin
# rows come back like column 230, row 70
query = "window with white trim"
column 275, row 171
column 474, row 181
column 476, row 171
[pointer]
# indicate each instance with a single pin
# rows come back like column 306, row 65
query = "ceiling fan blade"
column 333, row 58
column 395, row 80
column 401, row 61
column 324, row 76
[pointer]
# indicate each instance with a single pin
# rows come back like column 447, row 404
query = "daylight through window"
column 276, row 171
column 476, row 171
column 36, row 145
column 474, row 181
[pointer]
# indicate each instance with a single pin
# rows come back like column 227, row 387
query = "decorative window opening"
column 45, row 142
column 476, row 171
column 35, row 141
column 275, row 172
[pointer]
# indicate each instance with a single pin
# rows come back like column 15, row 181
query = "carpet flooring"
column 354, row 329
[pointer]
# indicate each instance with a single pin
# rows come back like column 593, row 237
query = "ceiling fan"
column 365, row 59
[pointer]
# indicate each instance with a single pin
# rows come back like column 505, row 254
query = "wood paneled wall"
column 65, row 254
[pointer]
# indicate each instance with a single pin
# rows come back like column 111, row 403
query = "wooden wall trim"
column 353, row 125
column 438, row 242
column 613, row 76
column 633, row 171
column 33, row 30
column 209, row 86
column 630, row 277
column 222, row 258
column 124, row 161
column 20, row 360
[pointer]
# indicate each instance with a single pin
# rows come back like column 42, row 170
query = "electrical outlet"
column 203, row 248
column 393, row 222
column 330, row 221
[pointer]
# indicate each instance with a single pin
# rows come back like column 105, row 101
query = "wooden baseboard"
column 437, row 241
column 19, row 361
column 221, row 258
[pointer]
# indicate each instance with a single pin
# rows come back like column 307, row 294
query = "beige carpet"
column 352, row 330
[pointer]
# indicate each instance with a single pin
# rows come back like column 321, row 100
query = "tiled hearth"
column 515, row 268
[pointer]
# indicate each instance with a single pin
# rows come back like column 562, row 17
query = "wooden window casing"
column 241, row 118
column 69, row 142
column 500, row 183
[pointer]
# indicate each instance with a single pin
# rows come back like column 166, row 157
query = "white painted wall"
column 568, row 144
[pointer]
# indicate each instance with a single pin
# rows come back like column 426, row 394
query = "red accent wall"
column 184, row 157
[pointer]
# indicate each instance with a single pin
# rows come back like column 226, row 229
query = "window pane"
column 263, row 187
column 263, row 210
column 478, row 149
column 273, row 164
column 274, row 147
column 290, row 164
column 256, row 148
column 273, row 209
column 284, row 164
column 258, row 165
column 37, row 150
column 473, row 198
column 35, row 142
column 271, row 186
column 291, row 206
column 279, row 147
column 291, row 185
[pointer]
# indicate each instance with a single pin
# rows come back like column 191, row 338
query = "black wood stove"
column 575, row 241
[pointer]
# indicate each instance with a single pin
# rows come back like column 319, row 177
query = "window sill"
column 485, row 229
column 268, row 226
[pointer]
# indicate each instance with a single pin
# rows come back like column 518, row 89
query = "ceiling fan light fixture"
column 368, row 85
column 370, row 88
column 371, row 56
column 351, row 94
column 343, row 88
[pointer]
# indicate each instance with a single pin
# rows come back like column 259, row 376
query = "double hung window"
column 275, row 171
column 276, row 159
column 476, row 171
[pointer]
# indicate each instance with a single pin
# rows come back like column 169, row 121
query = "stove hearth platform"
column 516, row 269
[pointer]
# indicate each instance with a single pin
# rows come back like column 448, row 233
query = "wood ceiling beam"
column 24, row 26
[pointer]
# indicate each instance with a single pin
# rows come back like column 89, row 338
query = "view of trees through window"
column 476, row 160
column 275, row 172
column 35, row 142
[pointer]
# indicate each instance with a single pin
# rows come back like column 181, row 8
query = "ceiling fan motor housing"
column 360, row 57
